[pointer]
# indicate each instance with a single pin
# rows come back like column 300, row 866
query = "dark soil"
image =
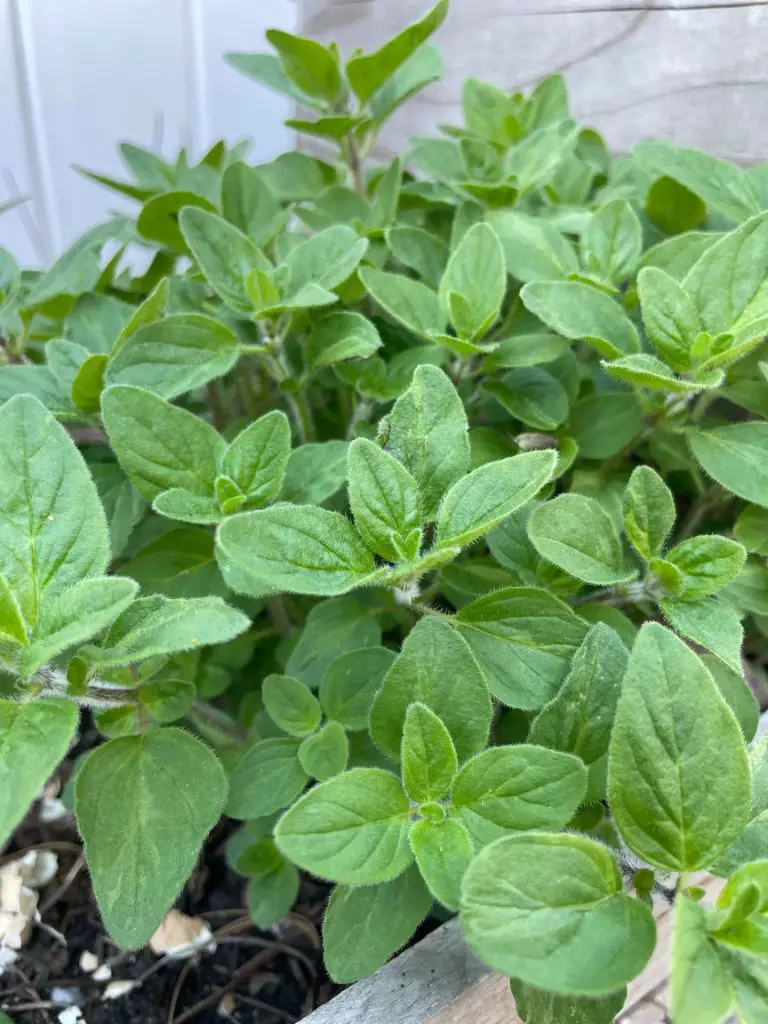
column 253, row 977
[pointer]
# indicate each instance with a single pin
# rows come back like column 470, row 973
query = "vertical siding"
column 77, row 76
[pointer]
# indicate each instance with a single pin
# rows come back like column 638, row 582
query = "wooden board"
column 690, row 71
column 439, row 981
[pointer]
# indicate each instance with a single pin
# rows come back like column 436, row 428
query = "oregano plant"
column 415, row 516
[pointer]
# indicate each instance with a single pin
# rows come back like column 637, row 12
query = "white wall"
column 78, row 76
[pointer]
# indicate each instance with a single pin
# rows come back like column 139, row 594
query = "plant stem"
column 353, row 162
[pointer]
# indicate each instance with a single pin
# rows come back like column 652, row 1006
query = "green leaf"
column 224, row 254
column 751, row 530
column 365, row 925
column 749, row 590
column 13, row 630
column 579, row 718
column 421, row 251
column 428, row 757
column 298, row 548
column 159, row 446
column 315, row 472
column 89, row 383
column 427, row 431
column 534, row 249
column 161, row 625
column 123, row 505
column 53, row 532
column 267, row 777
column 267, row 69
column 673, row 208
column 518, row 788
column 736, row 693
column 167, row 700
column 567, row 890
column 424, row 66
column 385, row 501
column 310, row 65
column 158, row 220
column 174, row 355
column 352, row 829
column 187, row 507
column 678, row 779
column 700, row 990
column 477, row 273
column 38, row 382
column 532, row 395
column 669, row 316
column 435, row 667
column 721, row 184
column 603, row 425
column 341, row 336
column 578, row 536
column 269, row 897
column 711, row 623
column 134, row 796
column 649, row 512
column 350, row 684
column 736, row 456
column 408, row 301
column 151, row 309
column 537, row 1006
column 34, row 737
column 332, row 628
column 291, row 705
column 247, row 203
column 326, row 259
column 526, row 350
column 579, row 311
column 370, row 71
column 485, row 497
column 707, row 564
column 257, row 459
column 325, row 753
column 443, row 852
column 96, row 321
column 612, row 242
column 74, row 616
column 523, row 639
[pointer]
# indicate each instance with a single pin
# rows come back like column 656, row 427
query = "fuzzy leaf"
column 443, row 852
column 385, row 501
column 428, row 757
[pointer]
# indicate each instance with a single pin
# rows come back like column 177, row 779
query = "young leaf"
column 669, row 316
column 246, row 201
column 736, row 456
column 325, row 260
column 270, row 897
column 477, row 273
column 385, row 501
column 159, row 446
column 517, row 788
column 612, row 242
column 352, row 829
column 428, row 756
column 34, row 737
column 580, row 717
column 161, row 625
column 579, row 311
column 13, row 630
column 365, row 925
column 332, row 629
column 534, row 249
column 256, row 460
column 325, row 753
column 53, row 532
column 523, row 639
column 74, row 616
column 151, row 309
column 350, row 684
column 266, row 778
column 578, row 536
column 707, row 565
column 427, row 431
column 568, row 891
column 368, row 72
column 443, row 852
column 187, row 507
column 133, row 796
column 310, row 65
column 678, row 781
column 436, row 668
column 533, row 395
column 299, row 548
column 291, row 705
column 649, row 512
column 479, row 501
